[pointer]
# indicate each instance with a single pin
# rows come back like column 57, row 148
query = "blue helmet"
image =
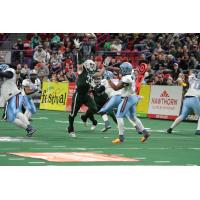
column 108, row 75
column 3, row 67
column 126, row 68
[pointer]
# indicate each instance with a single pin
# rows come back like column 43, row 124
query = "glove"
column 77, row 43
column 106, row 62
column 108, row 75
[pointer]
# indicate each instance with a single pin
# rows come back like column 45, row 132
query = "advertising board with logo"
column 54, row 96
column 165, row 102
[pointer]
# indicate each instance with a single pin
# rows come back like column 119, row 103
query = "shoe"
column 146, row 135
column 30, row 130
column 197, row 132
column 72, row 134
column 94, row 125
column 119, row 140
column 138, row 130
column 169, row 131
column 84, row 120
column 105, row 128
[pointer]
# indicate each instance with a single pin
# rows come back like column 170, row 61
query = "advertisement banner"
column 54, row 96
column 71, row 91
column 143, row 104
column 165, row 102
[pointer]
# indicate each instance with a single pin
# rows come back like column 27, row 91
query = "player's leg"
column 196, row 109
column 14, row 111
column 184, row 113
column 30, row 107
column 76, row 104
column 92, row 109
column 112, row 103
column 121, row 113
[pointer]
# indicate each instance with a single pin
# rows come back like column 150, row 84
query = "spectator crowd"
column 170, row 57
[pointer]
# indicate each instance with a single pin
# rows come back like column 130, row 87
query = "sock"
column 198, row 125
column 23, row 118
column 176, row 122
column 138, row 124
column 28, row 114
column 105, row 117
column 120, row 123
column 131, row 121
column 19, row 123
column 107, row 123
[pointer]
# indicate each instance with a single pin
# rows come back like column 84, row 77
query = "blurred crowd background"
column 169, row 57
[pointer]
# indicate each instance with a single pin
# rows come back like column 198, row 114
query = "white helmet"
column 90, row 65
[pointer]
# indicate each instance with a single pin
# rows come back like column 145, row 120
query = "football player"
column 85, row 80
column 190, row 103
column 30, row 88
column 129, row 100
column 13, row 100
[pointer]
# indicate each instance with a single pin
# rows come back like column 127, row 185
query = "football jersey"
column 194, row 87
column 108, row 89
column 9, row 87
column 129, row 88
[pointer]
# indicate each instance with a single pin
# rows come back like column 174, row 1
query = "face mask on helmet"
column 97, row 81
column 126, row 68
column 3, row 67
column 90, row 66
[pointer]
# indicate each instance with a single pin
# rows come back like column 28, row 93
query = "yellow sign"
column 54, row 96
column 142, row 106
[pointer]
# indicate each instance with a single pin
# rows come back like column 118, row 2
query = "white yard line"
column 16, row 158
column 36, row 162
column 162, row 161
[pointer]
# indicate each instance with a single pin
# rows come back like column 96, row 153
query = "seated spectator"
column 175, row 71
column 43, row 71
column 18, row 53
column 61, row 76
column 170, row 81
column 71, row 76
column 55, row 40
column 35, row 40
column 46, row 43
column 54, row 77
column 39, row 55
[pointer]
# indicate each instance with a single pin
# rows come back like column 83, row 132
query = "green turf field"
column 180, row 148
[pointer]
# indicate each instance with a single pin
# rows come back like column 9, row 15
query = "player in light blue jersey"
column 191, row 102
column 127, row 107
column 13, row 100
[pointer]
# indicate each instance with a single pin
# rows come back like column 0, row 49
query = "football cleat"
column 105, row 128
column 169, row 131
column 94, row 125
column 84, row 120
column 30, row 130
column 117, row 141
column 72, row 134
column 146, row 135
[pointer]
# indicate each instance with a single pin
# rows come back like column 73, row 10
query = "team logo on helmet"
column 126, row 68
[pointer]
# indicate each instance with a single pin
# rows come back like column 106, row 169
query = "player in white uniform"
column 13, row 100
column 30, row 88
column 127, row 106
column 191, row 102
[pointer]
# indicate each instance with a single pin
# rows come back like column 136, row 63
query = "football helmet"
column 3, row 67
column 126, row 68
column 90, row 66
column 108, row 75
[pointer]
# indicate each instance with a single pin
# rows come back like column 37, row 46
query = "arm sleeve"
column 7, row 74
